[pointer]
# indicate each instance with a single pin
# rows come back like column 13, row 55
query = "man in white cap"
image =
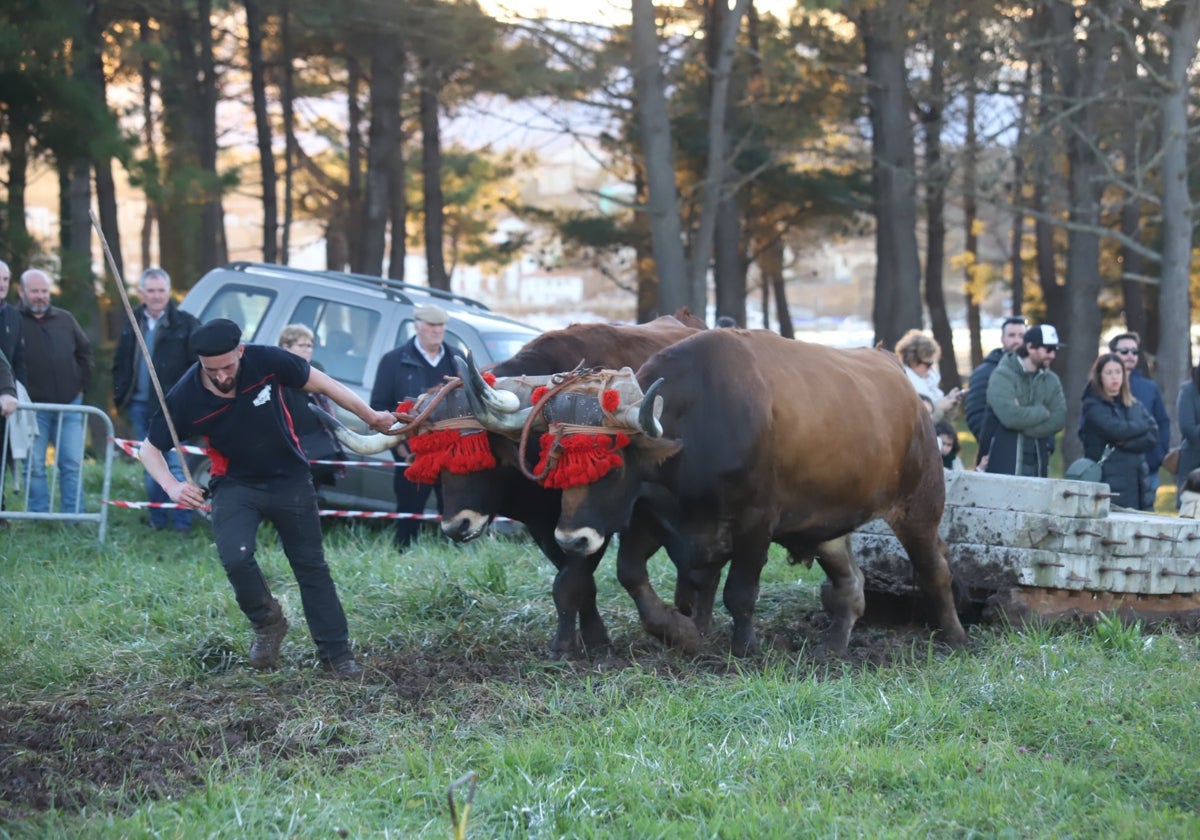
column 421, row 363
column 1026, row 407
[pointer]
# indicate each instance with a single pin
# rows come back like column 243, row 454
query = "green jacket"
column 1025, row 411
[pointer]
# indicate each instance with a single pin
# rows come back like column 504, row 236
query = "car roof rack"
column 394, row 289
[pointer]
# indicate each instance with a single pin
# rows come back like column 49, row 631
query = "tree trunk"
column 431, row 179
column 397, row 183
column 18, row 247
column 897, row 306
column 1016, row 243
column 153, row 188
column 287, row 102
column 970, row 236
column 214, row 250
column 937, row 176
column 718, row 175
column 1082, row 80
column 262, row 121
column 346, row 227
column 770, row 263
column 1174, row 310
column 647, row 277
column 654, row 128
column 383, row 138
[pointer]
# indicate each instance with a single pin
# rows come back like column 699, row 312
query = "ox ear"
column 657, row 450
column 359, row 444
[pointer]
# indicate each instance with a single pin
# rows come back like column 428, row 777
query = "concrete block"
column 1054, row 496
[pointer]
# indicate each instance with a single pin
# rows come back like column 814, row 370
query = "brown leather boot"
column 264, row 649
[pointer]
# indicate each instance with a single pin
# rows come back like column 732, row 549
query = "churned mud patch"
column 108, row 748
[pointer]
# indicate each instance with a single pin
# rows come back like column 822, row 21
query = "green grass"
column 127, row 709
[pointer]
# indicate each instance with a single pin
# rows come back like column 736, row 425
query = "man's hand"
column 381, row 421
column 186, row 494
column 8, row 404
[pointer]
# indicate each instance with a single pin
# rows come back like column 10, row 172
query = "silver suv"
column 356, row 320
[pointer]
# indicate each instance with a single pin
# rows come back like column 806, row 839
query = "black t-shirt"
column 250, row 437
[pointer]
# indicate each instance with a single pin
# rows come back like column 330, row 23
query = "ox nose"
column 577, row 542
column 456, row 529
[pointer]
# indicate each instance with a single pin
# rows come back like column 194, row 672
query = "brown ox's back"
column 808, row 437
column 607, row 345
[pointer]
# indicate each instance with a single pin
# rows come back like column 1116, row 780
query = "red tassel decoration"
column 538, row 393
column 609, row 400
column 404, row 407
column 489, row 378
column 582, row 459
column 447, row 449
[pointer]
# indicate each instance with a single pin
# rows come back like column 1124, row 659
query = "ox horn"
column 496, row 410
column 359, row 444
column 651, row 410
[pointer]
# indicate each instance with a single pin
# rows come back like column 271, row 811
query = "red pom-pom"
column 609, row 400
column 538, row 393
column 579, row 459
column 404, row 407
column 489, row 378
column 448, row 449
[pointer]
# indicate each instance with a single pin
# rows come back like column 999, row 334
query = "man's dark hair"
column 1125, row 336
column 1013, row 319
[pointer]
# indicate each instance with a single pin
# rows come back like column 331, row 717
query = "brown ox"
column 765, row 439
column 471, row 500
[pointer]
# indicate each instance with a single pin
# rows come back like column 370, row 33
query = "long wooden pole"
column 141, row 340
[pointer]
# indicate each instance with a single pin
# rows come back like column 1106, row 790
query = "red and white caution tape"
column 132, row 447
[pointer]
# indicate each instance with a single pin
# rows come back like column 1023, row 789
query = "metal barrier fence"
column 53, row 484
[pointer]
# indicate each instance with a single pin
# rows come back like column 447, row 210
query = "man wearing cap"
column 232, row 398
column 1026, row 407
column 1011, row 334
column 404, row 373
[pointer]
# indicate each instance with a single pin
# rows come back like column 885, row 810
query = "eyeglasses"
column 1128, row 351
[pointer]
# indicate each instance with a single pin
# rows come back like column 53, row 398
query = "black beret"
column 216, row 338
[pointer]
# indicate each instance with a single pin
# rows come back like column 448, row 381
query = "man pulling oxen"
column 760, row 439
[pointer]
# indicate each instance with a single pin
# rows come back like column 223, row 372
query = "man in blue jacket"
column 1127, row 345
column 1011, row 334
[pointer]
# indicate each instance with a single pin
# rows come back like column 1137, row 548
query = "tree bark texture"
column 654, row 129
column 431, row 180
column 897, row 306
column 262, row 122
column 384, row 137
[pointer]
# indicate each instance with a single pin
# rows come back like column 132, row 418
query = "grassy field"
column 127, row 709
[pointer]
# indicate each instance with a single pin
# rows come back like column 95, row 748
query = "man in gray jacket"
column 1026, row 407
column 58, row 363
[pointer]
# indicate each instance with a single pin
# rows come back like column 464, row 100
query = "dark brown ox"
column 470, row 501
column 766, row 439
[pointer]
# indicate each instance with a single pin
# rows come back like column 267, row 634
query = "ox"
column 761, row 439
column 473, row 498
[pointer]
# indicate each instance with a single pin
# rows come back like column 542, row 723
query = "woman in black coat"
column 1113, row 418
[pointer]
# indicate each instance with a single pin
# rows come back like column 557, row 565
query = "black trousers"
column 291, row 506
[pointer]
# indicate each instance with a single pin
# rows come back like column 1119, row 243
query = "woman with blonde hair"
column 1117, row 430
column 919, row 355
column 317, row 442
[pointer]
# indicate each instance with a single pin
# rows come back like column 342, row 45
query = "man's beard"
column 225, row 387
column 39, row 309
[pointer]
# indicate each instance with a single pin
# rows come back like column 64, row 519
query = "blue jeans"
column 140, row 412
column 65, row 430
column 290, row 504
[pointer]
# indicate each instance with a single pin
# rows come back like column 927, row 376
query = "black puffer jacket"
column 1132, row 432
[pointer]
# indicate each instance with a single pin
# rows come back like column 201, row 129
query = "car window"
column 453, row 340
column 244, row 305
column 344, row 336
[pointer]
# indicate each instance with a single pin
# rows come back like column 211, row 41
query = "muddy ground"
column 98, row 747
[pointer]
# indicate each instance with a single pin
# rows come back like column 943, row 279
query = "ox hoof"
column 744, row 645
column 682, row 635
